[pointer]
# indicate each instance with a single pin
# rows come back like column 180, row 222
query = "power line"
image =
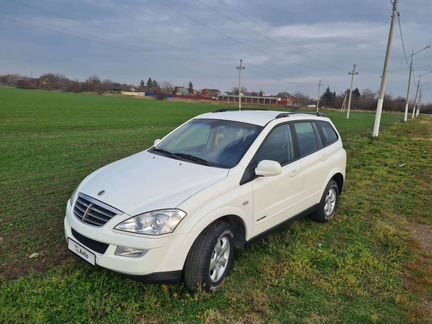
column 120, row 45
column 93, row 38
column 201, row 23
column 402, row 41
column 277, row 36
column 262, row 35
column 235, row 40
column 246, row 27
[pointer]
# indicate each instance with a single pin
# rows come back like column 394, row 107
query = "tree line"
column 366, row 100
column 51, row 81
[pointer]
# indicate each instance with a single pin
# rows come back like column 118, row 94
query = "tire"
column 328, row 204
column 213, row 249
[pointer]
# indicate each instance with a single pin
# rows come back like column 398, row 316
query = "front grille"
column 88, row 242
column 92, row 211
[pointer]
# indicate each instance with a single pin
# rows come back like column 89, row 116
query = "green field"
column 365, row 266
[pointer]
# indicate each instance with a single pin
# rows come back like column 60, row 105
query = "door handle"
column 324, row 157
column 293, row 173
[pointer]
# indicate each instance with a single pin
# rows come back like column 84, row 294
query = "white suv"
column 179, row 209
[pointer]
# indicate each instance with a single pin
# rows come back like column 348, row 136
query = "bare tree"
column 235, row 91
column 302, row 98
column 167, row 88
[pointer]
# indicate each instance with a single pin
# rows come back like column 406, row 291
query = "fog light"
column 129, row 252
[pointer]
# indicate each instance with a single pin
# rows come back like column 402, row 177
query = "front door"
column 280, row 197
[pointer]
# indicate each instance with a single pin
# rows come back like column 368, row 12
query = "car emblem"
column 100, row 193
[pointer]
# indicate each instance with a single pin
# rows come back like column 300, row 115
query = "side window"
column 277, row 146
column 307, row 137
column 328, row 133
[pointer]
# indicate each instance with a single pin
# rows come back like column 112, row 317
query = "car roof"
column 258, row 117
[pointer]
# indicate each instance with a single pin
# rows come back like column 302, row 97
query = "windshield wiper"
column 182, row 156
column 194, row 158
column 163, row 152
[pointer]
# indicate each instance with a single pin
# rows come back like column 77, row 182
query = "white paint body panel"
column 146, row 182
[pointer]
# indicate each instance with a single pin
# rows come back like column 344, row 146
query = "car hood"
column 146, row 181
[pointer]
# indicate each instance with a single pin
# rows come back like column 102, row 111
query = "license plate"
column 84, row 253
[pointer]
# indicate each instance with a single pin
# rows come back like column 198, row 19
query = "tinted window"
column 307, row 137
column 328, row 133
column 277, row 146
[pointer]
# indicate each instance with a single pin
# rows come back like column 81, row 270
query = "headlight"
column 72, row 197
column 153, row 223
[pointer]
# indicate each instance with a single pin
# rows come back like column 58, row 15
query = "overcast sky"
column 286, row 45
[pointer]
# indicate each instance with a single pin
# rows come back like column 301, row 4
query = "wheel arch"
column 237, row 224
column 336, row 175
column 339, row 178
column 239, row 229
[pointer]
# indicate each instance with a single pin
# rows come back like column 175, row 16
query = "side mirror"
column 267, row 168
column 156, row 141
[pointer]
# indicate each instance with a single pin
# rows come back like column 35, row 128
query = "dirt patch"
column 44, row 262
column 422, row 139
column 418, row 276
column 423, row 235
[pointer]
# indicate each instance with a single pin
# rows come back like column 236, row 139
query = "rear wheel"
column 210, row 258
column 328, row 204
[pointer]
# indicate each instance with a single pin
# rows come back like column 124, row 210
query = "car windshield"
column 212, row 142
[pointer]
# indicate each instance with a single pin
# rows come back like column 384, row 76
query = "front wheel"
column 210, row 258
column 328, row 204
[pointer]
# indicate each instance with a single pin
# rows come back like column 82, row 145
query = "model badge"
column 100, row 193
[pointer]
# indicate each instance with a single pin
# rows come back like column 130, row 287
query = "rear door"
column 309, row 149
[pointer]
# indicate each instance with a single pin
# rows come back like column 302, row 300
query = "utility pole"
column 377, row 123
column 319, row 85
column 344, row 102
column 240, row 68
column 353, row 74
column 409, row 81
column 416, row 97
column 409, row 88
column 418, row 92
column 419, row 103
column 420, row 99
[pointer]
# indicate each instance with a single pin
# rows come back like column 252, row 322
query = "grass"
column 358, row 268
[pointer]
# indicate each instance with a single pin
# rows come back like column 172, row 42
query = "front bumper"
column 163, row 260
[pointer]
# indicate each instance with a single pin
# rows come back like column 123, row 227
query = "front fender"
column 178, row 252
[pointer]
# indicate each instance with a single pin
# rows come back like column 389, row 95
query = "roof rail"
column 288, row 114
column 282, row 115
column 249, row 109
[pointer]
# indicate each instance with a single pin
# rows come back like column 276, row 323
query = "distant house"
column 181, row 91
column 133, row 93
column 112, row 91
column 261, row 100
column 249, row 99
column 210, row 93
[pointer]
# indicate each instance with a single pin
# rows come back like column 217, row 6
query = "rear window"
column 328, row 133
